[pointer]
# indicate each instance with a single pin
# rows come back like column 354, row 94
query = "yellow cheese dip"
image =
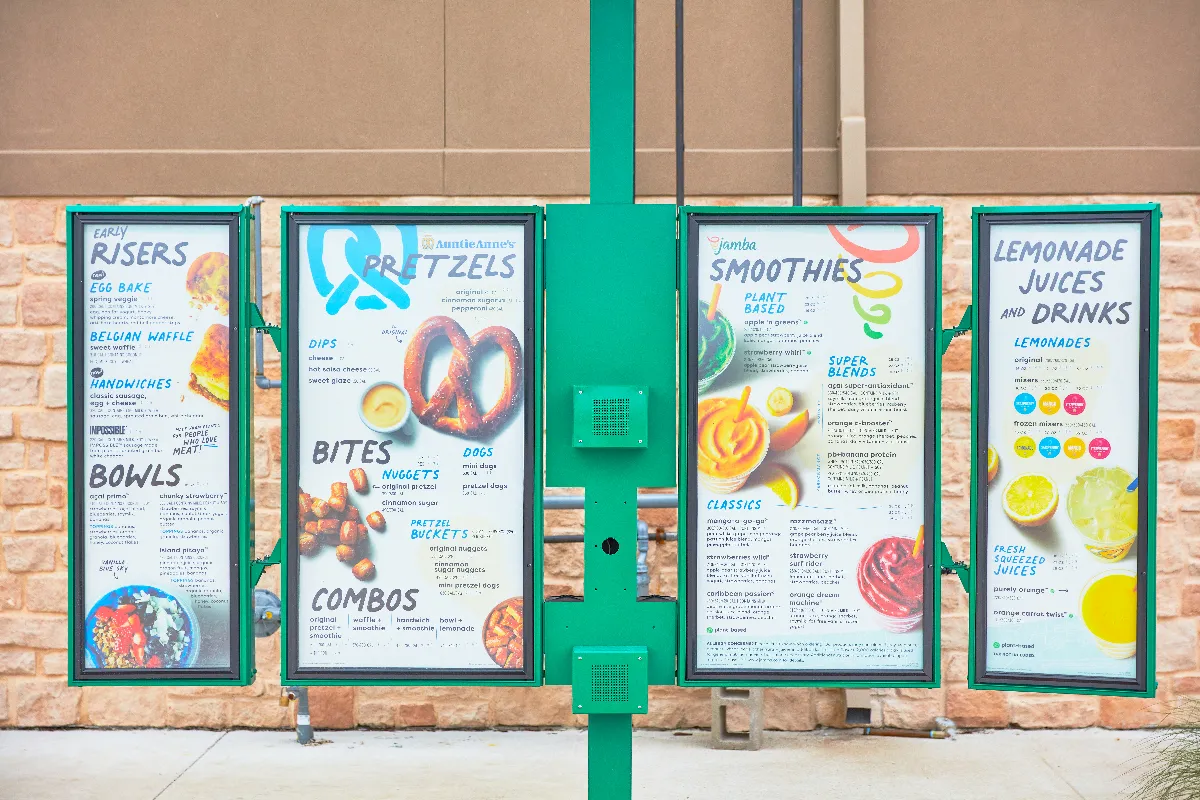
column 1110, row 608
column 384, row 406
column 728, row 447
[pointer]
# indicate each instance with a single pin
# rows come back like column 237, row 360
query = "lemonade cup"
column 732, row 442
column 1104, row 511
column 1108, row 608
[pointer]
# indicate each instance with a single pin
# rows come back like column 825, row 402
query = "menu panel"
column 1060, row 559
column 811, row 452
column 411, row 534
column 155, row 531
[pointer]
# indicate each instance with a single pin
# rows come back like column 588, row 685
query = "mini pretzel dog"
column 469, row 423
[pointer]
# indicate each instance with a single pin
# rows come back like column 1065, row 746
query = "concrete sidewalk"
column 530, row 765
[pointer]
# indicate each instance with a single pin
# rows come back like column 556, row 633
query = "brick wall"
column 33, row 473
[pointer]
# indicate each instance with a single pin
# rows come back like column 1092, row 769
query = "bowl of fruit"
column 140, row 627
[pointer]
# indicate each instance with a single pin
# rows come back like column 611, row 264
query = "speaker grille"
column 610, row 683
column 610, row 416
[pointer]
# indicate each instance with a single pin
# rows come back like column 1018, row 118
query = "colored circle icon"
column 1025, row 447
column 1099, row 447
column 1074, row 404
column 1049, row 447
column 1025, row 403
column 1049, row 403
column 1074, row 447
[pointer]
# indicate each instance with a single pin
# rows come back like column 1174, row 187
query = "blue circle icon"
column 1025, row 403
column 1049, row 447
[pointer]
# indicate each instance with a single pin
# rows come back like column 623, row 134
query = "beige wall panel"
column 1048, row 81
column 1033, row 73
column 220, row 74
column 215, row 75
column 655, row 101
column 549, row 173
column 221, row 174
column 1033, row 172
column 516, row 74
column 738, row 66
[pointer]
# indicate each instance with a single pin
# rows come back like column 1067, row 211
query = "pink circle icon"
column 1074, row 404
column 1099, row 447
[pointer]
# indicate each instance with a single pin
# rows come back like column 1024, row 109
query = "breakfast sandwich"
column 208, row 281
column 210, row 367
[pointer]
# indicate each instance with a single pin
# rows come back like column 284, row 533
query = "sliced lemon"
column 783, row 482
column 1030, row 500
column 993, row 463
column 779, row 401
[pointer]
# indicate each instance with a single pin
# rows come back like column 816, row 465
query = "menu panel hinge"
column 950, row 566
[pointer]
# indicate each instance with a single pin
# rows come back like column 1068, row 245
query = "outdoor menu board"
column 155, row 442
column 1064, row 431
column 411, row 410
column 811, row 446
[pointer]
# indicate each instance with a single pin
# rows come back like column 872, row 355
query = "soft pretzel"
column 469, row 423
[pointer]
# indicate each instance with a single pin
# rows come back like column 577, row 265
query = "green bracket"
column 960, row 568
column 259, row 565
column 259, row 324
column 964, row 326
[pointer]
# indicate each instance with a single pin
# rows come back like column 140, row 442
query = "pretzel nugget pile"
column 336, row 522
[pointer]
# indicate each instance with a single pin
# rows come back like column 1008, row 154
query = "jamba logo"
column 720, row 245
column 360, row 254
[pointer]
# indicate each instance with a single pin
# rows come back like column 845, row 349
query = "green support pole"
column 610, row 344
column 610, row 756
column 612, row 88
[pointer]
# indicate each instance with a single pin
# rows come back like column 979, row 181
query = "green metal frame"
column 1148, row 484
column 244, row 479
column 933, row 538
column 533, row 362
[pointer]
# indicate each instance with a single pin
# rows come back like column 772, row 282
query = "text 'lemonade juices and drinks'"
column 810, row 463
column 412, row 486
column 156, row 453
column 1063, row 406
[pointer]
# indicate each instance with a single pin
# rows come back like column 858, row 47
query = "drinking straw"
column 712, row 304
column 1131, row 486
column 742, row 404
column 920, row 538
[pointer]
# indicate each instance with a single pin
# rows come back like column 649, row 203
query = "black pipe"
column 679, row 102
column 797, row 102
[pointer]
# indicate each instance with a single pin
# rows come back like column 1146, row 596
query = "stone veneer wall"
column 33, row 474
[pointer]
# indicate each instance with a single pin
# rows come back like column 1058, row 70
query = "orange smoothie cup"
column 729, row 446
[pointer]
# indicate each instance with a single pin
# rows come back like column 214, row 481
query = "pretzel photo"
column 457, row 384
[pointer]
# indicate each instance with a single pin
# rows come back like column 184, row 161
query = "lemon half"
column 1030, row 500
column 993, row 463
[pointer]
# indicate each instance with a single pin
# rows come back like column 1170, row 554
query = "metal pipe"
column 679, row 194
column 657, row 535
column 304, row 731
column 643, row 554
column 260, row 375
column 797, row 102
column 576, row 501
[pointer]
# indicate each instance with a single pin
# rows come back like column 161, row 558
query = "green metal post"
column 610, row 756
column 610, row 325
column 612, row 88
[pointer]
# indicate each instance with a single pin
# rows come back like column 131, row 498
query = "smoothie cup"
column 714, row 346
column 891, row 582
column 1108, row 608
column 729, row 446
column 1104, row 511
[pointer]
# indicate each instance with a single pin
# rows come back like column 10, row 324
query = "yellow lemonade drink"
column 1104, row 511
column 729, row 445
column 1109, row 610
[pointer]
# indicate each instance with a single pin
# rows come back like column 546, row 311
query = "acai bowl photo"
column 140, row 627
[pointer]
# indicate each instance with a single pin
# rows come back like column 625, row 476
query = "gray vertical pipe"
column 679, row 146
column 304, row 731
column 797, row 102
